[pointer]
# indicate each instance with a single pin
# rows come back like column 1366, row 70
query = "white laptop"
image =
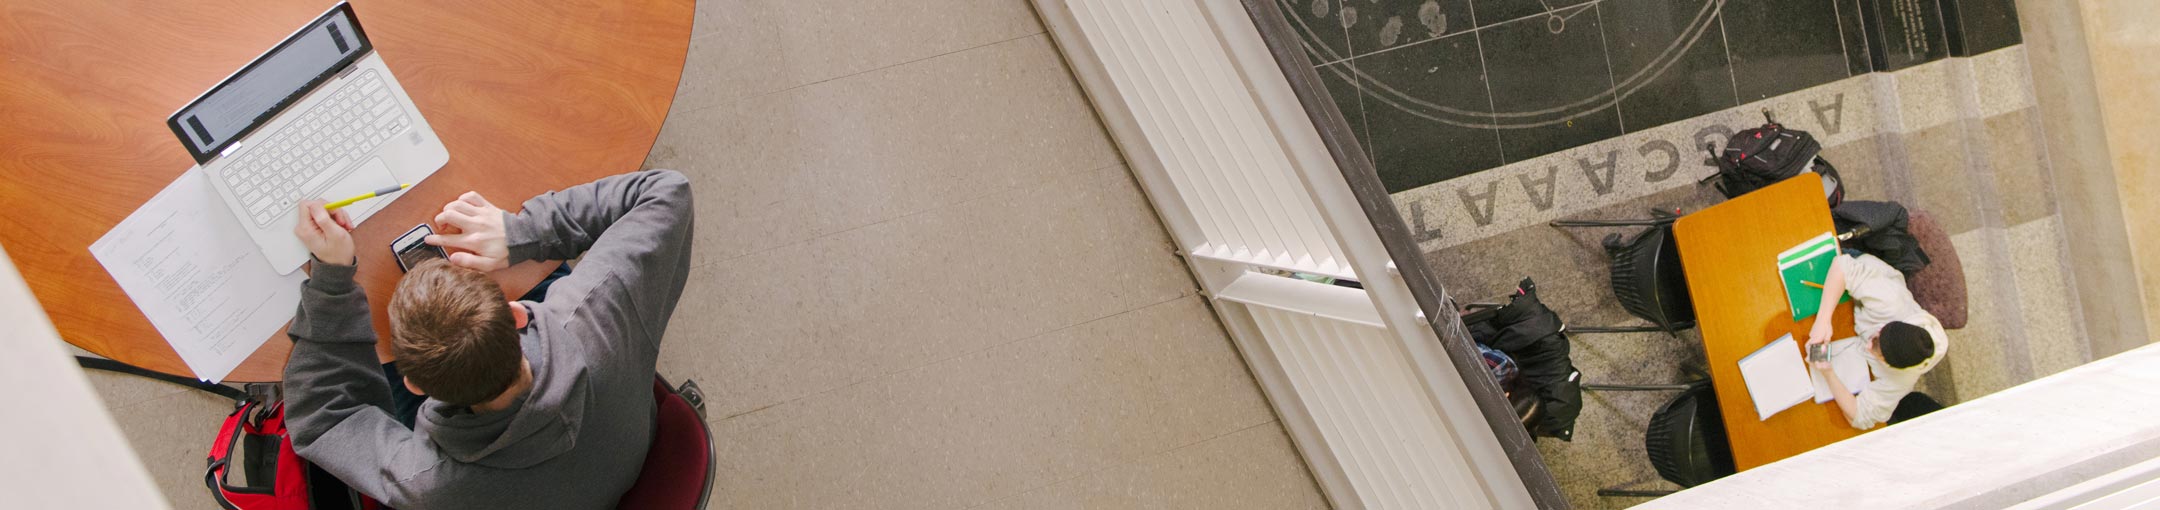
column 317, row 116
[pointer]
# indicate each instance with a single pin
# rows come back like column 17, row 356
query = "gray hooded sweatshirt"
column 578, row 438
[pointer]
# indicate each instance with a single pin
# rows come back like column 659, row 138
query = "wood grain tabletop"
column 1730, row 255
column 527, row 96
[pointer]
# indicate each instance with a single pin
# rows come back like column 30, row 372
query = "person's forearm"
column 1833, row 287
column 646, row 221
column 1844, row 397
column 561, row 225
column 333, row 371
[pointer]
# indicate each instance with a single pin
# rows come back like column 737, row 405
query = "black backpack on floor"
column 1759, row 157
column 1534, row 336
column 1881, row 229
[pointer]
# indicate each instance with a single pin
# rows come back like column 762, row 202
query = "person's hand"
column 1821, row 333
column 1824, row 367
column 327, row 234
column 475, row 235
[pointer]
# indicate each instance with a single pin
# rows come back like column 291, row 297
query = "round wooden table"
column 527, row 95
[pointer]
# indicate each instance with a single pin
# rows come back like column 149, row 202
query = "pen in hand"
column 372, row 194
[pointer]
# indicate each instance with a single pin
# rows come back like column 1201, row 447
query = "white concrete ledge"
column 2136, row 486
column 1997, row 451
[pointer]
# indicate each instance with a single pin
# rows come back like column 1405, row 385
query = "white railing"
column 1361, row 390
column 1227, row 171
column 1224, row 150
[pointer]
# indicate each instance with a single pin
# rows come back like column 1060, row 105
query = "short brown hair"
column 453, row 333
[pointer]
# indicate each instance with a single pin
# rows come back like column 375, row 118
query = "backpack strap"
column 118, row 367
column 221, row 452
column 210, row 479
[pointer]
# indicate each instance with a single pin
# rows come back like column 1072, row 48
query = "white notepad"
column 1776, row 377
column 189, row 266
column 1851, row 365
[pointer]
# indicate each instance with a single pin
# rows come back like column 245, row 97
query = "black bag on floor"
column 1759, row 157
column 1879, row 229
column 1532, row 334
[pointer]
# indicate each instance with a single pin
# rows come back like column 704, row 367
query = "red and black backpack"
column 253, row 467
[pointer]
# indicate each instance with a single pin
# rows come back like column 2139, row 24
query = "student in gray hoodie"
column 531, row 404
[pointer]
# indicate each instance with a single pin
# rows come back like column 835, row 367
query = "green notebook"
column 1808, row 263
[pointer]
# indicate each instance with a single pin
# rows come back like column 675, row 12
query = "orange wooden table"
column 527, row 95
column 1730, row 253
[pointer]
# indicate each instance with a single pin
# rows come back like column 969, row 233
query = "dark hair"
column 453, row 334
column 1904, row 345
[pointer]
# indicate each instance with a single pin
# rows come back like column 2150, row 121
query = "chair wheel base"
column 696, row 397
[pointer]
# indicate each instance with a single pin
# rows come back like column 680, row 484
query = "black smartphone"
column 1818, row 352
column 412, row 248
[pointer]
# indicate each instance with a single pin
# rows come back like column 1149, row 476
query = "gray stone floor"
column 924, row 279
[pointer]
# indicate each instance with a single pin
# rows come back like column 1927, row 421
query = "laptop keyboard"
column 309, row 153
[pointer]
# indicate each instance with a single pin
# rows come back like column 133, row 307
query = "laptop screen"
column 250, row 97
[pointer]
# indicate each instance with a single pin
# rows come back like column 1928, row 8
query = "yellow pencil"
column 1812, row 284
column 372, row 194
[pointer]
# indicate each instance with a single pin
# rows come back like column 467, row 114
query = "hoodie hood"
column 539, row 425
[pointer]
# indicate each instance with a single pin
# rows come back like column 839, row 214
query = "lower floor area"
column 1949, row 139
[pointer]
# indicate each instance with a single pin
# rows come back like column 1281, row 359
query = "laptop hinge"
column 229, row 150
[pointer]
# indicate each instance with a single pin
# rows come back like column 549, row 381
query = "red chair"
column 679, row 468
column 1939, row 288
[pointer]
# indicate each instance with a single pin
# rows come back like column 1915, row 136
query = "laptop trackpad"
column 369, row 176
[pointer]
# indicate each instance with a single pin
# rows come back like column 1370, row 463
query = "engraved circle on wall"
column 1426, row 13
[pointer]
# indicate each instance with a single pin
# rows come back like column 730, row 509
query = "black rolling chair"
column 1646, row 275
column 1686, row 438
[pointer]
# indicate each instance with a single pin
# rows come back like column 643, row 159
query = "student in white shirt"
column 1903, row 341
